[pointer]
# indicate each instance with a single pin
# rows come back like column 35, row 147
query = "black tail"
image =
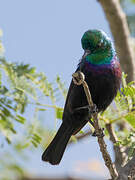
column 54, row 152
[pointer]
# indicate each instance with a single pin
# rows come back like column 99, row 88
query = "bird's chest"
column 103, row 85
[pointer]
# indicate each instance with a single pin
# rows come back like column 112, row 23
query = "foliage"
column 27, row 87
column 23, row 92
column 25, row 95
column 133, row 1
column 21, row 88
column 1, row 45
column 123, row 107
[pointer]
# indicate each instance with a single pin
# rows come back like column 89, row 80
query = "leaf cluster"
column 23, row 92
column 21, row 88
column 123, row 107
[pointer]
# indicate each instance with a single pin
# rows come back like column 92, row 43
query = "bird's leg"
column 93, row 109
column 84, row 109
column 90, row 111
column 95, row 134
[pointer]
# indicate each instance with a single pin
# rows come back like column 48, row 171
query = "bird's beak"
column 86, row 53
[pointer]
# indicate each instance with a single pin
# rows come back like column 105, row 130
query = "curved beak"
column 86, row 53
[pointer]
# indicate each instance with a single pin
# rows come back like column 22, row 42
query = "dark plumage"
column 103, row 76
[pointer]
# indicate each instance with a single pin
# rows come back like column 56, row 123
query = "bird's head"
column 97, row 45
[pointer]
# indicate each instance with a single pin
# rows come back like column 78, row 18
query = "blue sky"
column 47, row 34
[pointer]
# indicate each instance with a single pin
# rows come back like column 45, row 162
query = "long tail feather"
column 54, row 152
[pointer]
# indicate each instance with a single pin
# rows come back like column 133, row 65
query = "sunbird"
column 102, row 71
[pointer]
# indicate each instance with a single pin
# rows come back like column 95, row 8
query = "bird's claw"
column 93, row 109
column 100, row 135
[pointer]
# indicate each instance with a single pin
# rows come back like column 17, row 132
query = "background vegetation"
column 25, row 91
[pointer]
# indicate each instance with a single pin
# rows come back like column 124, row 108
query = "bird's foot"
column 88, row 110
column 84, row 109
column 93, row 109
column 100, row 135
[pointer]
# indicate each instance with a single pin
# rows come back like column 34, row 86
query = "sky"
column 46, row 34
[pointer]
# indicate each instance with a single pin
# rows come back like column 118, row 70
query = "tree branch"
column 120, row 155
column 78, row 79
column 121, row 34
column 81, row 136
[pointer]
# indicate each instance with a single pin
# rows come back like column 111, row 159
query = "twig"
column 78, row 79
column 119, row 28
column 81, row 136
column 120, row 155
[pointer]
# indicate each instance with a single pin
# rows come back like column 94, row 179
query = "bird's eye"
column 99, row 44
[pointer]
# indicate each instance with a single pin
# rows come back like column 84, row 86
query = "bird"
column 102, row 71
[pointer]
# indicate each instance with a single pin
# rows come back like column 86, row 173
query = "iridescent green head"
column 99, row 46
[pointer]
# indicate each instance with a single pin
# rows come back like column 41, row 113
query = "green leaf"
column 41, row 109
column 6, row 112
column 74, row 139
column 20, row 119
column 81, row 132
column 36, row 138
column 130, row 118
column 19, row 146
column 59, row 113
column 34, row 143
column 118, row 143
column 8, row 140
column 13, row 130
column 133, row 1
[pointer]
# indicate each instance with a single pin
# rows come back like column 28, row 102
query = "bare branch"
column 120, row 155
column 121, row 34
column 81, row 136
column 78, row 79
